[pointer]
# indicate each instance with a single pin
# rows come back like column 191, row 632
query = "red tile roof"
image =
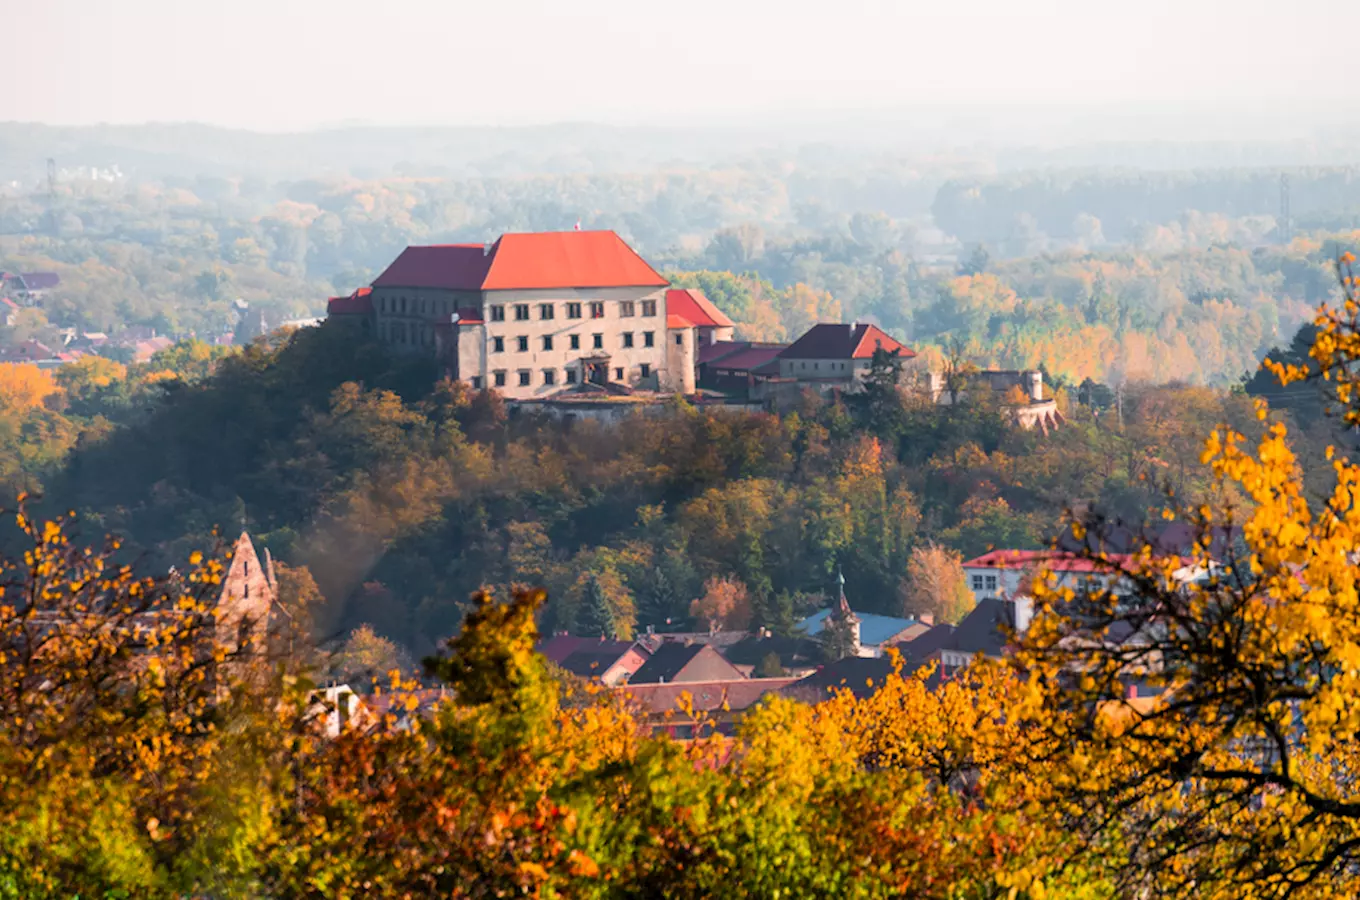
column 358, row 303
column 446, row 266
column 1053, row 560
column 749, row 360
column 556, row 259
column 834, row 341
column 694, row 306
column 673, row 321
column 567, row 259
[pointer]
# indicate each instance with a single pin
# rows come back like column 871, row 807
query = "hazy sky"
column 285, row 64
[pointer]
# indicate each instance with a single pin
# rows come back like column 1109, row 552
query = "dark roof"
column 918, row 649
column 593, row 660
column 752, row 359
column 861, row 675
column 981, row 630
column 834, row 341
column 793, row 652
column 557, row 259
column 38, row 281
column 720, row 350
column 447, row 266
column 558, row 647
column 359, row 303
column 666, row 662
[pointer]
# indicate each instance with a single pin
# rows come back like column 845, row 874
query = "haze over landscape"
column 734, row 449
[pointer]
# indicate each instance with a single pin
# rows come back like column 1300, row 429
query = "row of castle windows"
column 421, row 306
column 549, row 376
column 596, row 341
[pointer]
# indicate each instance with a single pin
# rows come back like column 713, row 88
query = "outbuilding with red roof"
column 833, row 352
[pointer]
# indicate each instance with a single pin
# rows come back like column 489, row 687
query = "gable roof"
column 835, row 341
column 594, row 659
column 873, row 628
column 981, row 631
column 1053, row 560
column 692, row 305
column 669, row 661
column 456, row 267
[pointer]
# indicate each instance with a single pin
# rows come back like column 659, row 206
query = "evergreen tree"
column 659, row 600
column 595, row 617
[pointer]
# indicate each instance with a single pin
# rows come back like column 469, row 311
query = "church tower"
column 248, row 595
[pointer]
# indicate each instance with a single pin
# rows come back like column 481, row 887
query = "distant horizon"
column 1062, row 124
column 294, row 66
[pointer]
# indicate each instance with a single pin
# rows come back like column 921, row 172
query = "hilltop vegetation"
column 402, row 495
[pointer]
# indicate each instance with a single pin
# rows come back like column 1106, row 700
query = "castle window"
column 627, row 339
column 521, row 312
column 523, row 343
column 550, row 376
column 648, row 338
column 991, row 582
column 545, row 310
column 476, row 382
column 498, row 345
column 570, row 376
column 679, row 340
column 618, row 374
column 597, row 310
column 649, row 307
column 524, row 376
column 547, row 342
column 597, row 341
column 498, row 313
column 576, row 342
column 499, row 378
column 573, row 310
column 627, row 308
column 977, row 582
column 646, row 370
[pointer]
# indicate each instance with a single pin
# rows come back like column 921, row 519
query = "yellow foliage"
column 24, row 386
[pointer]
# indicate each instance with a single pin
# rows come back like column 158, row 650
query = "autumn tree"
column 724, row 606
column 935, row 583
column 1233, row 777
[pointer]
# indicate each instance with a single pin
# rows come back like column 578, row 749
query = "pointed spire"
column 842, row 605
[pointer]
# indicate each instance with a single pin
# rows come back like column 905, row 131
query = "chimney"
column 1024, row 612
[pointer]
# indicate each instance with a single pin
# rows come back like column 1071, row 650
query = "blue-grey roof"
column 873, row 629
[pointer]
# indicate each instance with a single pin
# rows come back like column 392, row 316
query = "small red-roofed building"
column 836, row 353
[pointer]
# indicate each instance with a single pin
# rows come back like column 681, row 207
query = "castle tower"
column 681, row 355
